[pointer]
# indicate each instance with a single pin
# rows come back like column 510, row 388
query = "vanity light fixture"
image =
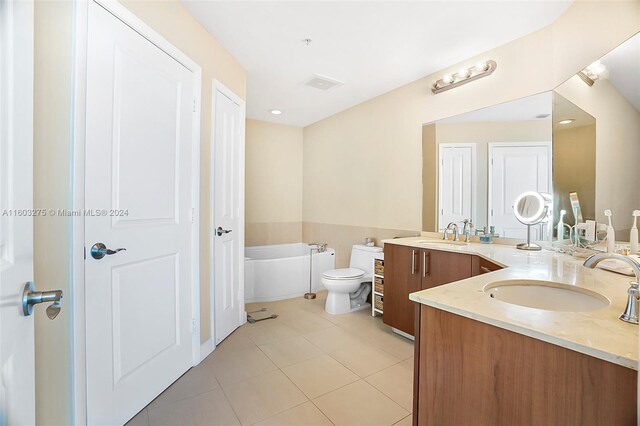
column 592, row 73
column 464, row 76
column 567, row 121
column 275, row 111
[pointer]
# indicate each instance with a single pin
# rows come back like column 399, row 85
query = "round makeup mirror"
column 531, row 208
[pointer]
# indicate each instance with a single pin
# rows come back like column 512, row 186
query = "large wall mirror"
column 581, row 138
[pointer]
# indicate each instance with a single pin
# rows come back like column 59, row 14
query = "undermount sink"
column 443, row 242
column 546, row 295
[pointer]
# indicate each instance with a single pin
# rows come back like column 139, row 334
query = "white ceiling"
column 523, row 109
column 623, row 64
column 372, row 46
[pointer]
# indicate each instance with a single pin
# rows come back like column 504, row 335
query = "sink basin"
column 443, row 242
column 546, row 295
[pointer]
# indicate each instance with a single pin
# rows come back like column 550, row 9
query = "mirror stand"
column 529, row 245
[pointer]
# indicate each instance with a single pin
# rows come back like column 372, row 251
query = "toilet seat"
column 344, row 274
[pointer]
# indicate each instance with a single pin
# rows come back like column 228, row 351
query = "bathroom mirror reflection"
column 579, row 138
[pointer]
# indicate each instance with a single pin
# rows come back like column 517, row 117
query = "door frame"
column 79, row 79
column 219, row 87
column 491, row 145
column 474, row 178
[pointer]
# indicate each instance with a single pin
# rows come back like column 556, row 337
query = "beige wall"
column 273, row 183
column 52, row 246
column 617, row 149
column 363, row 166
column 481, row 134
column 52, row 151
column 574, row 170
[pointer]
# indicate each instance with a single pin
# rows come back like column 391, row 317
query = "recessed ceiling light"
column 275, row 111
column 567, row 121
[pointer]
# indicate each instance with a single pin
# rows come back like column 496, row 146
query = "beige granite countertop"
column 596, row 333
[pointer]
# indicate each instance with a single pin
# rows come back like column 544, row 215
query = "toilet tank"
column 362, row 257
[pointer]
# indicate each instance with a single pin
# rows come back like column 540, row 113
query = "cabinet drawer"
column 378, row 284
column 378, row 267
column 378, row 301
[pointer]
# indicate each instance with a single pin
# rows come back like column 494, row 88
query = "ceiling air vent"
column 322, row 83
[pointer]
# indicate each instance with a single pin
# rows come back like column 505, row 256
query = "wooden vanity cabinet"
column 401, row 277
column 411, row 269
column 470, row 373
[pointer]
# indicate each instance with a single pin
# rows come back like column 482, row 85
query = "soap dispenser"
column 633, row 238
column 611, row 234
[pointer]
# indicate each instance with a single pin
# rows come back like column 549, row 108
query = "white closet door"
column 456, row 183
column 514, row 169
column 139, row 137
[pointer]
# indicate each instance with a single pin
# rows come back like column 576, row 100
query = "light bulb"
column 447, row 79
column 462, row 74
column 275, row 111
column 481, row 66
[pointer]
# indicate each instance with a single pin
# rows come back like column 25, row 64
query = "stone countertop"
column 597, row 333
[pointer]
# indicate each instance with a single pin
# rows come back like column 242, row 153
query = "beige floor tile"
column 140, row 419
column 262, row 397
column 306, row 414
column 236, row 341
column 231, row 367
column 194, row 382
column 364, row 359
column 269, row 331
column 396, row 382
column 308, row 323
column 331, row 339
column 319, row 375
column 290, row 351
column 397, row 346
column 407, row 421
column 211, row 408
column 359, row 404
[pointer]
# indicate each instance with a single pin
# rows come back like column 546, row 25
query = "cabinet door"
column 401, row 277
column 441, row 267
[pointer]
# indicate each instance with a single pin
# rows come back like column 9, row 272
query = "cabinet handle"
column 413, row 262
column 425, row 267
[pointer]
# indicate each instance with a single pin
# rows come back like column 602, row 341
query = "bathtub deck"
column 305, row 367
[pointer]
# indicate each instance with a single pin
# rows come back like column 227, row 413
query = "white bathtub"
column 282, row 271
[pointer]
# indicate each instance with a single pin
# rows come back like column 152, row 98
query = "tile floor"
column 304, row 368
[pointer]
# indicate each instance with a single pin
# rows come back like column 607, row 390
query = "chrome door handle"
column 221, row 231
column 31, row 297
column 99, row 250
column 413, row 262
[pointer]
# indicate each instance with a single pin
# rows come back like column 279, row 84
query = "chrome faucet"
column 451, row 226
column 632, row 309
column 319, row 247
column 466, row 230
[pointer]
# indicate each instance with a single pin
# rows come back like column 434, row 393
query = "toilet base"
column 343, row 303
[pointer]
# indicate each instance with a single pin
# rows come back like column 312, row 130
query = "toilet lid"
column 344, row 273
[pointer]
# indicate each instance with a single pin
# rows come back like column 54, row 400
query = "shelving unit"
column 377, row 285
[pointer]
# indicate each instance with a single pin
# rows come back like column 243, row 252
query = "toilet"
column 349, row 287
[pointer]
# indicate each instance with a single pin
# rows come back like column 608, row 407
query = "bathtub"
column 282, row 271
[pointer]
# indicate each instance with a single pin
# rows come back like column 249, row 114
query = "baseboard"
column 206, row 348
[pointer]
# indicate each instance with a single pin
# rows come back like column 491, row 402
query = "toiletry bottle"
column 633, row 238
column 611, row 234
column 561, row 225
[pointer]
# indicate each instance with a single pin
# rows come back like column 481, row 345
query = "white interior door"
column 456, row 183
column 514, row 169
column 17, row 366
column 138, row 193
column 228, row 212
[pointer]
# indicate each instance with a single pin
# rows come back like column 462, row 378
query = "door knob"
column 221, row 231
column 31, row 297
column 99, row 250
